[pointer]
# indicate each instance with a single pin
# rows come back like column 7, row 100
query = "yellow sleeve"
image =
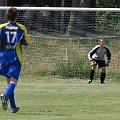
column 26, row 37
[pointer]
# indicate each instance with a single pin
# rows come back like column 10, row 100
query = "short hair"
column 101, row 39
column 11, row 14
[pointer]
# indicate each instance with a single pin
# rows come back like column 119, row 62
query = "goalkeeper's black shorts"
column 100, row 63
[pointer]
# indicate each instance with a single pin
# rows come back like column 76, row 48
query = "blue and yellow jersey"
column 12, row 36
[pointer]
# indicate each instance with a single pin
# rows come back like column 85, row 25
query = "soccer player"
column 12, row 36
column 97, row 57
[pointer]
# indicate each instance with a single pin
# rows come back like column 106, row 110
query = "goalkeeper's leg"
column 92, row 72
column 103, row 75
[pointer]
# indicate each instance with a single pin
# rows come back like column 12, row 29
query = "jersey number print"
column 11, row 36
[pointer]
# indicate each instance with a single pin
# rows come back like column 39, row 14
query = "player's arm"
column 108, row 55
column 25, row 40
column 91, row 53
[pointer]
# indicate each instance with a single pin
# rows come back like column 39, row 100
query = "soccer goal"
column 62, row 37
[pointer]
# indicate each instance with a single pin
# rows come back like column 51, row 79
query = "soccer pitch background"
column 47, row 98
column 43, row 94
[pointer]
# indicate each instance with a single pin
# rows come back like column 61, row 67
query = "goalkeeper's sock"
column 12, row 100
column 102, row 77
column 92, row 72
column 10, row 88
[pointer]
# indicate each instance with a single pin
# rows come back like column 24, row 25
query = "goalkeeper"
column 97, row 57
column 12, row 36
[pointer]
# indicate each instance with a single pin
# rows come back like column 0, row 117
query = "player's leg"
column 11, row 86
column 14, row 108
column 12, row 73
column 4, row 99
column 92, row 72
column 8, row 94
column 12, row 99
column 103, row 75
column 102, row 66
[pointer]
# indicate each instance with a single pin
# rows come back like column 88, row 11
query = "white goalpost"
column 66, row 34
column 63, row 9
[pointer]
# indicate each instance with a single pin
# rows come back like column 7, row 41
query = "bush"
column 75, row 68
column 113, row 75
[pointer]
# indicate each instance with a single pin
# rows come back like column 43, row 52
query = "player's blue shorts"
column 11, row 70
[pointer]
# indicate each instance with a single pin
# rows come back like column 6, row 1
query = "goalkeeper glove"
column 107, row 63
column 93, row 63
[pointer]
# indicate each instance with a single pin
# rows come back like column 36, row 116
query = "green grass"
column 46, row 98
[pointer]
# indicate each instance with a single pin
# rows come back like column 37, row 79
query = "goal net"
column 62, row 37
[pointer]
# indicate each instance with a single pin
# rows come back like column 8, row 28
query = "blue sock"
column 10, row 88
column 12, row 100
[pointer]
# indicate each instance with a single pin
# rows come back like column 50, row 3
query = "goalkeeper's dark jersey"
column 99, row 53
column 12, row 36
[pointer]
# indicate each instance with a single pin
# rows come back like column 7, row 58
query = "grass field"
column 46, row 98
